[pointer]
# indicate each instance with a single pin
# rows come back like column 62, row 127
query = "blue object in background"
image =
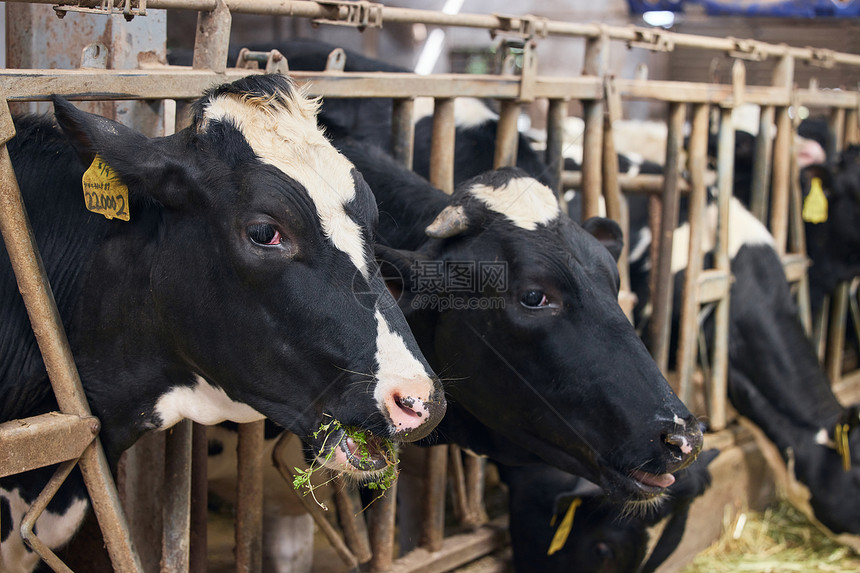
column 772, row 9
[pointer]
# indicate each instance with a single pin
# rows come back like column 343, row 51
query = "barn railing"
column 601, row 96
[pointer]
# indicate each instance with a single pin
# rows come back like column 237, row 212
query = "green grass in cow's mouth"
column 379, row 480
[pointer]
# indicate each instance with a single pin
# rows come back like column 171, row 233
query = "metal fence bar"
column 554, row 154
column 403, row 131
column 507, row 135
column 433, row 527
column 249, row 504
column 596, row 56
column 442, row 145
column 662, row 238
column 689, row 306
column 783, row 76
column 762, row 164
column 176, row 540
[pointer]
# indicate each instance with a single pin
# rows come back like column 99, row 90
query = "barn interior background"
column 36, row 39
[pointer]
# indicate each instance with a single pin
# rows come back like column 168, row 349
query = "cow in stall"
column 559, row 521
column 242, row 286
column 774, row 377
column 831, row 203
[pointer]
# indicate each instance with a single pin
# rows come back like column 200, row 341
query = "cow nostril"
column 406, row 405
column 679, row 442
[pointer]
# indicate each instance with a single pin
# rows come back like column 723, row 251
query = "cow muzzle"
column 413, row 407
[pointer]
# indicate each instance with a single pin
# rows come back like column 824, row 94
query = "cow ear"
column 143, row 164
column 607, row 232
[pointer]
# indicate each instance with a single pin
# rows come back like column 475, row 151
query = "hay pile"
column 779, row 540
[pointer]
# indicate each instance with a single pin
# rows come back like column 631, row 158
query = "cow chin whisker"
column 643, row 507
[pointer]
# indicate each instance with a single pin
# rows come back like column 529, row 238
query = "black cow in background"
column 602, row 538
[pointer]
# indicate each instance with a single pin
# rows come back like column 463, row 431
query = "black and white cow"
column 774, row 377
column 599, row 536
column 542, row 367
column 243, row 285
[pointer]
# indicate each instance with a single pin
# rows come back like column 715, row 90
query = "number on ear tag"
column 104, row 192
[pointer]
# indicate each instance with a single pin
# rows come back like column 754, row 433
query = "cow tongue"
column 654, row 480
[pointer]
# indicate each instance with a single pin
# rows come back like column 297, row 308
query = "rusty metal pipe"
column 442, row 145
column 662, row 293
column 249, row 499
column 199, row 495
column 433, row 527
column 554, row 155
column 760, row 189
column 382, row 515
column 403, row 131
column 689, row 303
column 507, row 135
column 176, row 540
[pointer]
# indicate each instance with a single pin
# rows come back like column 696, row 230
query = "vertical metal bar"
column 351, row 522
column 176, row 542
column 249, row 499
column 596, row 58
column 760, row 190
column 458, row 477
column 433, row 528
column 199, row 494
column 662, row 294
column 852, row 127
column 720, row 360
column 689, row 304
column 474, row 469
column 836, row 333
column 783, row 76
column 213, row 38
column 442, row 145
column 836, row 132
column 54, row 346
column 403, row 131
column 382, row 515
column 554, row 157
column 506, row 135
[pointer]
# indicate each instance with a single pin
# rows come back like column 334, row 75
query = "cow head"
column 254, row 290
column 518, row 307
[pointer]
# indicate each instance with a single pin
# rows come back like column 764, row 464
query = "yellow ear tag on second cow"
column 815, row 204
column 104, row 192
column 563, row 531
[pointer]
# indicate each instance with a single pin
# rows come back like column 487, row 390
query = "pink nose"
column 413, row 416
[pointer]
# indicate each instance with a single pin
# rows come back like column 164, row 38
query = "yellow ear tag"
column 815, row 204
column 563, row 531
column 842, row 447
column 104, row 192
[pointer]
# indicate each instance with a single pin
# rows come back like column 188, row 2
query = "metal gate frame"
column 599, row 93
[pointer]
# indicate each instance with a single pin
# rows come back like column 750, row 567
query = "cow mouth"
column 651, row 484
column 355, row 452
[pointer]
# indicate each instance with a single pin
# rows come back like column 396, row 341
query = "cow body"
column 243, row 286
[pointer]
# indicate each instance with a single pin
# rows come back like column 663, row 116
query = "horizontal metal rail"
column 176, row 82
column 526, row 26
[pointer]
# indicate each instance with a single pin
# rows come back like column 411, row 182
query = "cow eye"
column 264, row 234
column 534, row 299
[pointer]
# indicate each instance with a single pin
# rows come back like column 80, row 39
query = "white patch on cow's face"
column 53, row 529
column 203, row 403
column 397, row 368
column 744, row 229
column 524, row 201
column 288, row 138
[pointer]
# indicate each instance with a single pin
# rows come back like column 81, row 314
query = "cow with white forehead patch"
column 242, row 286
column 543, row 365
